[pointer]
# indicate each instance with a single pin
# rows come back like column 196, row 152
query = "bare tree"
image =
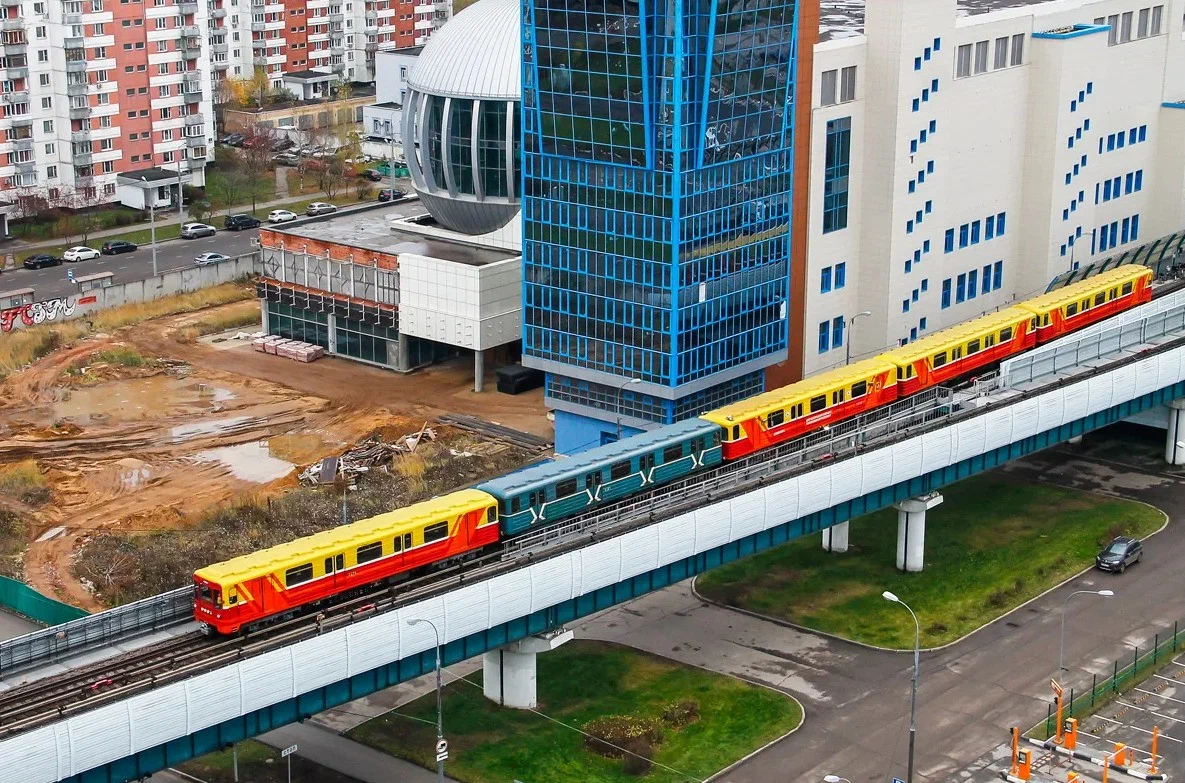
column 333, row 175
column 256, row 158
column 232, row 185
column 82, row 219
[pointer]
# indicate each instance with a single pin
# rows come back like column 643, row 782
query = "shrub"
column 638, row 760
column 1114, row 531
column 613, row 732
column 678, row 714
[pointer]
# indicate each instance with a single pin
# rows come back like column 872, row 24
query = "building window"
column 998, row 275
column 825, row 280
column 949, row 246
column 841, row 275
column 1001, row 56
column 837, row 332
column 1018, row 49
column 963, row 61
column 946, row 293
column 847, row 84
column 1157, row 13
column 835, row 178
column 981, row 56
column 960, row 289
column 824, row 337
column 829, row 93
column 972, row 280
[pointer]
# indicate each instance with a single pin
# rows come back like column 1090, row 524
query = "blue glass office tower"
column 657, row 149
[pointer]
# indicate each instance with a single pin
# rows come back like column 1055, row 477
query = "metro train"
column 247, row 591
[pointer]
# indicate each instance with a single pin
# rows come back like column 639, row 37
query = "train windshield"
column 202, row 591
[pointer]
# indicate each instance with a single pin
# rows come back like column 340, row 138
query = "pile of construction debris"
column 370, row 452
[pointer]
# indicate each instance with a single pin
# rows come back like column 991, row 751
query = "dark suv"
column 1119, row 554
column 239, row 222
column 41, row 260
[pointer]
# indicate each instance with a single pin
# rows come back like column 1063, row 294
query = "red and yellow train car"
column 1089, row 301
column 235, row 594
column 962, row 349
column 790, row 411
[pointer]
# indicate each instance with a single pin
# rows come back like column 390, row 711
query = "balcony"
column 13, row 49
column 372, row 18
column 23, row 144
column 76, row 89
column 198, row 153
column 9, row 3
column 187, row 8
column 82, row 158
column 258, row 27
column 257, row 60
column 81, row 135
column 71, row 19
column 20, row 72
column 26, row 167
column 78, row 112
column 72, row 42
column 218, row 48
column 371, row 47
column 16, row 96
column 192, row 120
column 220, row 65
column 259, row 43
column 12, row 24
column 218, row 13
column 195, row 141
column 190, row 47
column 75, row 66
column 191, row 31
column 337, row 18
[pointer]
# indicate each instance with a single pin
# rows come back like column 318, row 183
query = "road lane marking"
column 1160, row 696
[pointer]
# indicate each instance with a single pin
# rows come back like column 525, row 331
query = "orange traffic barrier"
column 1058, row 692
column 1123, row 754
column 1071, row 737
column 1155, row 738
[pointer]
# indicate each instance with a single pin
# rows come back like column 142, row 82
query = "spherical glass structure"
column 460, row 118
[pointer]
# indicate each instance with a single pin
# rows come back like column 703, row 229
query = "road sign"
column 288, row 751
column 442, row 750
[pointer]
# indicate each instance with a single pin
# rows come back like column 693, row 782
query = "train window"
column 514, row 505
column 696, row 447
column 672, row 453
column 900, row 373
column 1100, row 297
column 647, row 461
column 775, row 418
column 818, row 403
column 619, row 470
column 234, row 599
column 329, row 565
column 973, row 347
column 1127, row 288
column 736, row 432
column 294, row 576
column 339, row 562
column 203, row 592
column 1006, row 334
column 565, row 488
column 837, row 396
column 796, row 411
column 940, row 359
column 492, row 514
column 396, row 545
column 1071, row 309
column 436, row 532
column 1047, row 320
column 1085, row 305
column 407, row 540
column 1114, row 292
column 956, row 353
column 368, row 552
column 989, row 341
column 534, row 498
column 860, row 388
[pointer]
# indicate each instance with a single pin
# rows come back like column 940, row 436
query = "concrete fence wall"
column 175, row 282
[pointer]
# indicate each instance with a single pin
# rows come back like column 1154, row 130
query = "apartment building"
column 966, row 152
column 94, row 88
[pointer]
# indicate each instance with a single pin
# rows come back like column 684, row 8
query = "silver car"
column 195, row 230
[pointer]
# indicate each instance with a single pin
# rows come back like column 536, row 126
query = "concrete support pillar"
column 479, row 370
column 404, row 363
column 911, row 530
column 509, row 672
column 263, row 315
column 332, row 334
column 1174, row 445
column 835, row 538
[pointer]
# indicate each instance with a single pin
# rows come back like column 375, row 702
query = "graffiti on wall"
column 37, row 313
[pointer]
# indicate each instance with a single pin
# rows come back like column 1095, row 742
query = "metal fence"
column 1124, row 675
column 48, row 644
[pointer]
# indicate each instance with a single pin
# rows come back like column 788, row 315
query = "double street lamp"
column 913, row 699
column 847, row 358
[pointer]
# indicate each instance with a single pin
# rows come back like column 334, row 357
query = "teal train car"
column 547, row 493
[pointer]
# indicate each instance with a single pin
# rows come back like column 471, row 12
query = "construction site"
column 131, row 457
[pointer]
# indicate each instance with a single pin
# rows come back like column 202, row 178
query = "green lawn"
column 994, row 543
column 579, row 682
column 143, row 236
column 259, row 763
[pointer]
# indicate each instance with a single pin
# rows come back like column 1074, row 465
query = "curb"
column 939, row 648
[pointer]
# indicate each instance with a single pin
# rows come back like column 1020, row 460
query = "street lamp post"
column 913, row 698
column 151, row 220
column 1074, row 246
column 1061, row 647
column 439, row 705
column 847, row 359
column 620, row 401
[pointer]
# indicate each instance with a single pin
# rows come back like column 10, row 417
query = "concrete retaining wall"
column 178, row 281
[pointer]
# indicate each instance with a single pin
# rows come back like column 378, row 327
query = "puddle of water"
column 187, row 431
column 136, row 398
column 248, row 461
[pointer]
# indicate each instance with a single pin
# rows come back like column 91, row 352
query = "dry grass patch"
column 24, row 482
column 234, row 316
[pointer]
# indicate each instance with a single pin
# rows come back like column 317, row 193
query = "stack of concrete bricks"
column 291, row 349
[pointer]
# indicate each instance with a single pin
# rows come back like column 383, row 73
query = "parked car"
column 1119, row 554
column 41, row 260
column 80, row 253
column 305, row 150
column 234, row 139
column 391, row 194
column 209, row 258
column 280, row 216
column 279, row 145
column 241, row 221
column 195, row 230
column 319, row 208
column 286, row 159
column 371, row 174
column 117, row 246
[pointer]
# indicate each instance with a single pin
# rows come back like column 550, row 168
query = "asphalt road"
column 173, row 254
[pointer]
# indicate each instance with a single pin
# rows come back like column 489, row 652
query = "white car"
column 209, row 258
column 280, row 216
column 80, row 253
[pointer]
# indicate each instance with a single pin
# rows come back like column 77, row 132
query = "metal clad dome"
column 460, row 118
column 476, row 54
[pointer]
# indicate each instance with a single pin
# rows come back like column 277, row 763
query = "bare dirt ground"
column 146, row 449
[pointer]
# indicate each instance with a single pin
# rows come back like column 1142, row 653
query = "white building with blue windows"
column 966, row 152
